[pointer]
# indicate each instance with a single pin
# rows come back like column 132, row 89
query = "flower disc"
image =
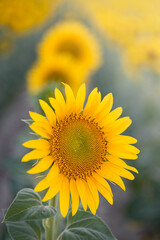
column 79, row 146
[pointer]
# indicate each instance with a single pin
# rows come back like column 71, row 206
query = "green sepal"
column 28, row 121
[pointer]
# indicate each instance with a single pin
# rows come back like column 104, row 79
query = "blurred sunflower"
column 81, row 147
column 49, row 70
column 21, row 15
column 5, row 45
column 72, row 39
column 128, row 24
column 145, row 52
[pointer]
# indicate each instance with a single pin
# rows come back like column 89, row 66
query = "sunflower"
column 132, row 27
column 145, row 52
column 60, row 69
column 21, row 15
column 81, row 147
column 72, row 39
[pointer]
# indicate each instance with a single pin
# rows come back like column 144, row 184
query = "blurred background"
column 110, row 44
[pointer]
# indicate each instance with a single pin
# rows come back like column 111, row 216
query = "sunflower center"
column 56, row 76
column 152, row 55
column 79, row 146
column 69, row 48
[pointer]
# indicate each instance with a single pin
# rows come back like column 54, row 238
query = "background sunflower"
column 20, row 15
column 57, row 69
column 72, row 39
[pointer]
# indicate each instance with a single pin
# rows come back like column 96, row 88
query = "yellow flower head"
column 81, row 147
column 59, row 69
column 72, row 39
column 21, row 14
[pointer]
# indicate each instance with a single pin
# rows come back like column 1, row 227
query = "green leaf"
column 25, row 230
column 27, row 205
column 28, row 121
column 86, row 226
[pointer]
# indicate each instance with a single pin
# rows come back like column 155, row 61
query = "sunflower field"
column 80, row 120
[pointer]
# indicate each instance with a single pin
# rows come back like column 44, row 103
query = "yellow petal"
column 60, row 99
column 123, row 147
column 111, row 117
column 42, row 185
column 92, row 103
column 103, row 191
column 121, row 152
column 82, row 192
column 119, row 171
column 46, row 126
column 40, row 131
column 60, row 113
column 93, row 190
column 121, row 163
column 70, row 99
column 54, row 188
column 81, row 94
column 38, row 143
column 91, row 98
column 104, row 172
column 90, row 199
column 102, row 181
column 75, row 196
column 53, row 172
column 37, row 117
column 118, row 126
column 41, row 121
column 47, row 181
column 35, row 154
column 64, row 196
column 42, row 165
column 122, row 139
column 53, row 102
column 131, row 168
column 104, row 107
column 48, row 112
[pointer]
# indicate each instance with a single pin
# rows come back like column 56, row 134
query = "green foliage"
column 24, row 220
column 27, row 205
column 25, row 230
column 86, row 226
column 25, row 214
column 145, row 209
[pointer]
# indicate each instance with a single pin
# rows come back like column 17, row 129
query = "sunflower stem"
column 50, row 226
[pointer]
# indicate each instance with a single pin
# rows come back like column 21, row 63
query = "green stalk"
column 50, row 223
